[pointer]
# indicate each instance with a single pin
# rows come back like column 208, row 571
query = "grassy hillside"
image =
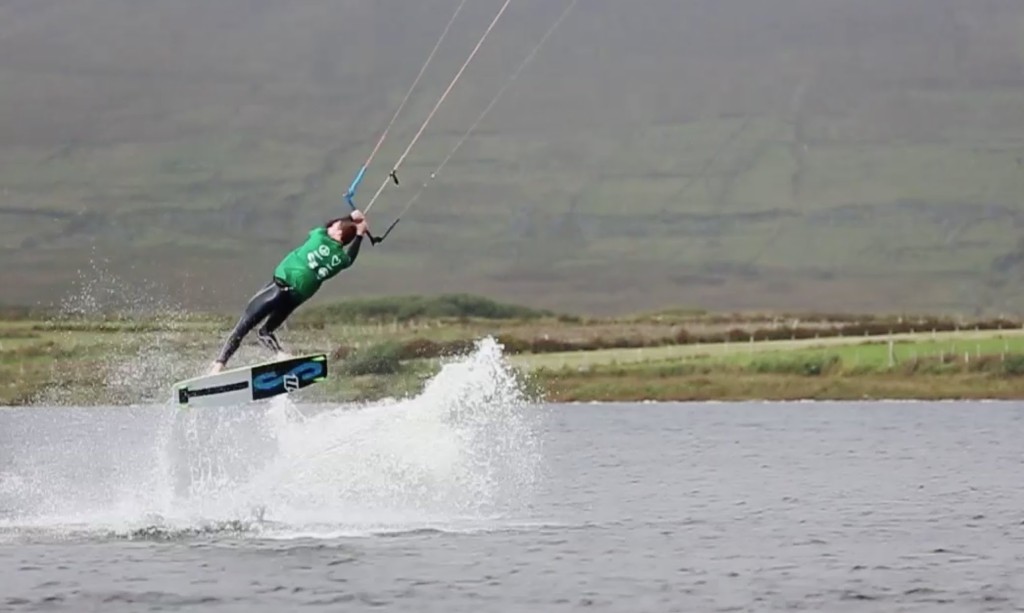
column 830, row 154
column 390, row 348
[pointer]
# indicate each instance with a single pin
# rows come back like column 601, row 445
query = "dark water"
column 410, row 507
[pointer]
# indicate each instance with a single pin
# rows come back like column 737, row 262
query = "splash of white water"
column 465, row 447
column 461, row 455
column 137, row 366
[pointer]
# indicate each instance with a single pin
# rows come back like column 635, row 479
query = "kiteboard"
column 251, row 383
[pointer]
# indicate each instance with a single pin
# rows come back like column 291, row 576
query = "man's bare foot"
column 216, row 368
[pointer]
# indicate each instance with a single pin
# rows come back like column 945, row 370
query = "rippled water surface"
column 469, row 499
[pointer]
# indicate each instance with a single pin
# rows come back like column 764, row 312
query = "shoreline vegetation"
column 389, row 347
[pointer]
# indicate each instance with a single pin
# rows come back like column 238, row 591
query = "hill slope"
column 827, row 154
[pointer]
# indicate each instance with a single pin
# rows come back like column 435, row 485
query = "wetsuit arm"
column 353, row 249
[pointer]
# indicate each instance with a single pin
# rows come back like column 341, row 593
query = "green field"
column 390, row 347
column 869, row 353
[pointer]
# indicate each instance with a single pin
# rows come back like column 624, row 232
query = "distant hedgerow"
column 408, row 308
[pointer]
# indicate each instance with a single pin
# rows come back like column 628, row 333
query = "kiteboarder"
column 295, row 280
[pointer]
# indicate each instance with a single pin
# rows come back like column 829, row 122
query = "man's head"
column 342, row 229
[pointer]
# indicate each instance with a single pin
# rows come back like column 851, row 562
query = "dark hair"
column 336, row 220
column 348, row 228
column 348, row 231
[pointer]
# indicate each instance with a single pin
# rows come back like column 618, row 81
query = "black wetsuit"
column 274, row 303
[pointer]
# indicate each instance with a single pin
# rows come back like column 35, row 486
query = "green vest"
column 318, row 259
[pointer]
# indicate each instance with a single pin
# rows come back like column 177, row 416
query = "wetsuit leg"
column 260, row 306
column 282, row 310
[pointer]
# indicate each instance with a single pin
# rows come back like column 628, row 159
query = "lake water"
column 469, row 498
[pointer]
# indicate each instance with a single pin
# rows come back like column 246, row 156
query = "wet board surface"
column 250, row 383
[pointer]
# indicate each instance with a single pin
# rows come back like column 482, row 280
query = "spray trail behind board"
column 463, row 454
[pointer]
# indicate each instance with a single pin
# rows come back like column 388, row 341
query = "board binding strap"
column 252, row 383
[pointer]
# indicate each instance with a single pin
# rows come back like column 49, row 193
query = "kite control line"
column 351, row 193
column 393, row 175
column 515, row 75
